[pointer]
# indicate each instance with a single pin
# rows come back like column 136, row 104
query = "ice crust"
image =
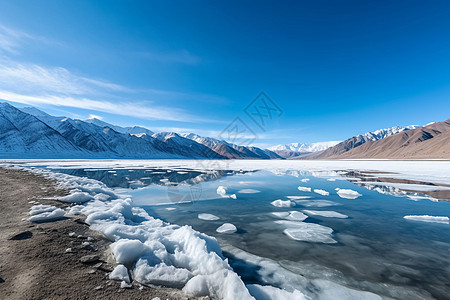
column 281, row 203
column 325, row 213
column 45, row 213
column 426, row 218
column 208, row 217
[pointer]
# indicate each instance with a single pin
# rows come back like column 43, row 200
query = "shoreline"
column 34, row 263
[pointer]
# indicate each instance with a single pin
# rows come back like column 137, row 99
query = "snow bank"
column 321, row 192
column 77, row 197
column 304, row 189
column 426, row 218
column 308, row 232
column 325, row 213
column 226, row 228
column 208, row 217
column 155, row 252
column 45, row 213
column 347, row 193
column 281, row 203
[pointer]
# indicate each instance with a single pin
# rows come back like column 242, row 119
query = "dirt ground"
column 34, row 263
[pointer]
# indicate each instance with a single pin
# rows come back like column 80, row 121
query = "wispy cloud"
column 11, row 39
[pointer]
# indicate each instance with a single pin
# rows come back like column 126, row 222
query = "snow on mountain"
column 382, row 133
column 136, row 130
column 303, row 147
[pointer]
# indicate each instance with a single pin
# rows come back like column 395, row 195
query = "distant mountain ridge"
column 296, row 149
column 31, row 133
column 357, row 141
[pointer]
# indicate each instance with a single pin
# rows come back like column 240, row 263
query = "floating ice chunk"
column 249, row 191
column 120, row 273
column 316, row 203
column 325, row 213
column 291, row 215
column 426, row 218
column 331, row 179
column 347, row 193
column 321, row 192
column 77, row 197
column 297, row 197
column 233, row 196
column 48, row 214
column 226, row 228
column 281, row 203
column 222, row 191
column 170, row 208
column 208, row 217
column 304, row 189
column 308, row 232
column 305, row 180
column 267, row 292
column 182, row 172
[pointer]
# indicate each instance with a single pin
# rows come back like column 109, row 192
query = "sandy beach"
column 34, row 262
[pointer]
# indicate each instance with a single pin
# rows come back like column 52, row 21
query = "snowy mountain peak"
column 305, row 147
column 382, row 133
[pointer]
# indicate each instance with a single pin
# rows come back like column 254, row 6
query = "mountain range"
column 31, row 133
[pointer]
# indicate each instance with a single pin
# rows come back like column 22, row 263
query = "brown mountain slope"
column 432, row 141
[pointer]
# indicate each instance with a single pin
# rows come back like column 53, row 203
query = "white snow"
column 304, row 189
column 281, row 203
column 347, row 193
column 321, row 192
column 291, row 215
column 426, row 218
column 267, row 292
column 208, row 217
column 308, row 232
column 120, row 273
column 325, row 213
column 45, row 213
column 76, row 197
column 227, row 228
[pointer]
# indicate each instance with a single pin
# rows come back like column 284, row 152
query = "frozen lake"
column 329, row 234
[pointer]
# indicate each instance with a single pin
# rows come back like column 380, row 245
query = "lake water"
column 375, row 249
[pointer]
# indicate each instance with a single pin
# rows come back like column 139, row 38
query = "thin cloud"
column 11, row 39
column 121, row 108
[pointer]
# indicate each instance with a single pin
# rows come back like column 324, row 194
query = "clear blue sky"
column 335, row 68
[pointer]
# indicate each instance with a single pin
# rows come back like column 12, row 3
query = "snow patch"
column 77, row 197
column 45, row 213
column 120, row 273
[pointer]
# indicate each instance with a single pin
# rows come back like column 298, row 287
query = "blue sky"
column 335, row 68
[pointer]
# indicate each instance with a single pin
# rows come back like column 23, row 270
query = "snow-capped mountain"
column 303, row 147
column 31, row 133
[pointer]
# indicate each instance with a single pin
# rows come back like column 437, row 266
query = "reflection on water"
column 377, row 250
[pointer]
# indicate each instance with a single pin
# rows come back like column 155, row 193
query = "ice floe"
column 226, row 228
column 426, row 218
column 222, row 191
column 170, row 208
column 297, row 197
column 45, row 213
column 308, row 232
column 248, row 191
column 321, row 192
column 304, row 180
column 304, row 189
column 325, row 213
column 347, row 193
column 291, row 215
column 281, row 203
column 208, row 217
